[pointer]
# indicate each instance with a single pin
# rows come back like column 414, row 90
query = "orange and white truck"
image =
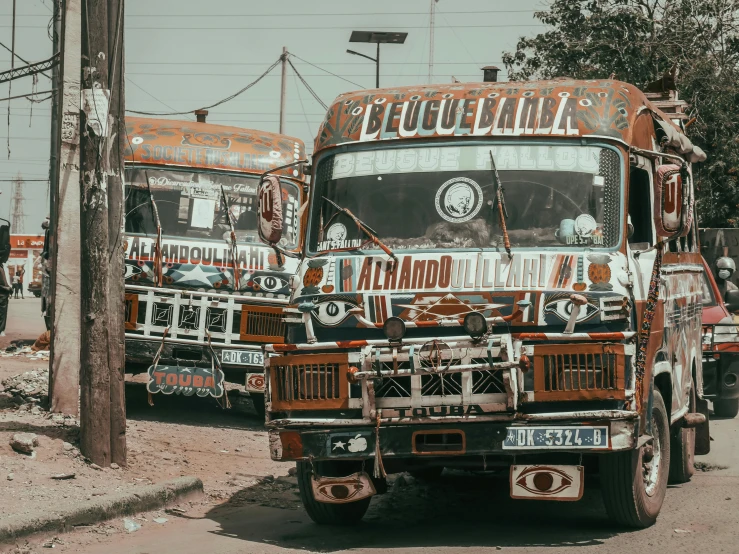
column 493, row 276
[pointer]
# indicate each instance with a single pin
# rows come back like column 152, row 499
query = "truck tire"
column 258, row 400
column 682, row 449
column 726, row 408
column 634, row 488
column 328, row 514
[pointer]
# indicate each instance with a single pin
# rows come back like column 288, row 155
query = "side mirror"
column 672, row 195
column 731, row 299
column 269, row 210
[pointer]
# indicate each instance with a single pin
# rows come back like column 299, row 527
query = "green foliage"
column 640, row 40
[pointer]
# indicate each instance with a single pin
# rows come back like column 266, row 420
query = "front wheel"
column 329, row 514
column 726, row 408
column 635, row 482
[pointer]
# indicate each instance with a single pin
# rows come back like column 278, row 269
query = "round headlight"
column 394, row 328
column 475, row 324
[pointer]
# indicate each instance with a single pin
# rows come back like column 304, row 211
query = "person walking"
column 5, row 291
column 21, row 273
column 16, row 281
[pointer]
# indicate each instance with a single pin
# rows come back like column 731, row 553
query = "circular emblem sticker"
column 459, row 199
column 337, row 232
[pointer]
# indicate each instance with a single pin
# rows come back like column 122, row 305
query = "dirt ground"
column 175, row 437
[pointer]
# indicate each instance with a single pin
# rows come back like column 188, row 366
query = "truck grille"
column 592, row 372
column 309, row 382
column 262, row 324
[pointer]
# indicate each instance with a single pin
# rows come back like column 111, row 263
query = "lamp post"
column 376, row 37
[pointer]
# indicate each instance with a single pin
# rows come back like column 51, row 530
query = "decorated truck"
column 493, row 276
column 203, row 294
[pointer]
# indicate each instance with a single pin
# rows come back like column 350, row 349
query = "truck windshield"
column 191, row 205
column 444, row 197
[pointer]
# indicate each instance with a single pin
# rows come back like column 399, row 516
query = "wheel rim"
column 651, row 469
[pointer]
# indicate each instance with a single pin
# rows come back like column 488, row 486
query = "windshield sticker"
column 459, row 199
column 336, row 233
column 582, row 159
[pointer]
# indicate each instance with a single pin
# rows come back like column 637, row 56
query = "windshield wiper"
column 502, row 212
column 234, row 248
column 158, row 262
column 366, row 229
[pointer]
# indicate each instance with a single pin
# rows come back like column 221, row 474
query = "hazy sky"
column 184, row 54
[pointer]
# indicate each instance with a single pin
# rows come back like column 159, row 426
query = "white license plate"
column 556, row 438
column 242, row 357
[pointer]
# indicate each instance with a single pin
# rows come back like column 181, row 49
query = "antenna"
column 18, row 205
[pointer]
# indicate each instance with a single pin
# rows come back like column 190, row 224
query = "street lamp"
column 377, row 37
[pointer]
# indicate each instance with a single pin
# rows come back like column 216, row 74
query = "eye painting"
column 131, row 270
column 561, row 306
column 333, row 312
column 340, row 492
column 269, row 283
column 543, row 480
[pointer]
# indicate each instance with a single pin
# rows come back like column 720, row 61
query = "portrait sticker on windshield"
column 459, row 199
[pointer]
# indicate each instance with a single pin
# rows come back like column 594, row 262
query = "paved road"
column 464, row 512
column 24, row 320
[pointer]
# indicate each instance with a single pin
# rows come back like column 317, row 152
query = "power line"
column 26, row 95
column 149, row 94
column 228, row 98
column 313, row 14
column 301, row 28
column 326, row 71
column 384, row 63
column 21, row 59
column 313, row 93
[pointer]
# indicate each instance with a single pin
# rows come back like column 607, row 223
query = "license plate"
column 242, row 357
column 556, row 438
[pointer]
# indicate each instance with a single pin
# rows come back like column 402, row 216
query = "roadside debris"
column 63, row 476
column 705, row 466
column 24, row 442
column 130, row 525
column 31, row 387
column 160, row 520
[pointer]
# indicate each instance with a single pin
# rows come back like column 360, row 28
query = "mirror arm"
column 283, row 167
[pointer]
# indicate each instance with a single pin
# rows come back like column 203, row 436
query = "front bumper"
column 721, row 375
column 471, row 438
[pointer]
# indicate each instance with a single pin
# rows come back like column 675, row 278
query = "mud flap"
column 341, row 490
column 702, row 431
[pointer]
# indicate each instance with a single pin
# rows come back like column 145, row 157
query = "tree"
column 640, row 40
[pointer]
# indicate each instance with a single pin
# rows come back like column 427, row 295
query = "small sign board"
column 186, row 381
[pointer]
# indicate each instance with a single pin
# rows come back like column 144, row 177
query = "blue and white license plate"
column 242, row 357
column 556, row 438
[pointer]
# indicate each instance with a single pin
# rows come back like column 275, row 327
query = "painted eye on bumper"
column 341, row 490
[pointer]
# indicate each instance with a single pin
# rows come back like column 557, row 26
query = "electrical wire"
column 227, row 99
column 307, row 86
column 150, row 94
column 326, row 71
column 302, row 107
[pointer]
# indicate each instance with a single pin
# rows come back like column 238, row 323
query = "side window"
column 640, row 207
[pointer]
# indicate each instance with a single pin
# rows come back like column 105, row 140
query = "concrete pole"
column 283, row 89
column 65, row 226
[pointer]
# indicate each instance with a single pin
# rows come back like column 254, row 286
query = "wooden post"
column 116, row 224
column 64, row 301
column 100, row 172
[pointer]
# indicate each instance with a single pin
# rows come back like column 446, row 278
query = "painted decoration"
column 599, row 272
column 547, row 482
column 313, row 276
column 209, row 146
column 544, row 108
column 255, row 382
column 186, row 381
column 459, row 200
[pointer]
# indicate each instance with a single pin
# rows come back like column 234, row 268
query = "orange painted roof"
column 209, row 146
column 562, row 108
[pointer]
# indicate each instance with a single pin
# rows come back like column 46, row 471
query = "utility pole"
column 18, row 210
column 102, row 127
column 431, row 40
column 64, row 359
column 283, row 89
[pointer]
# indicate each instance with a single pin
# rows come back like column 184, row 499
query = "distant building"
column 25, row 251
